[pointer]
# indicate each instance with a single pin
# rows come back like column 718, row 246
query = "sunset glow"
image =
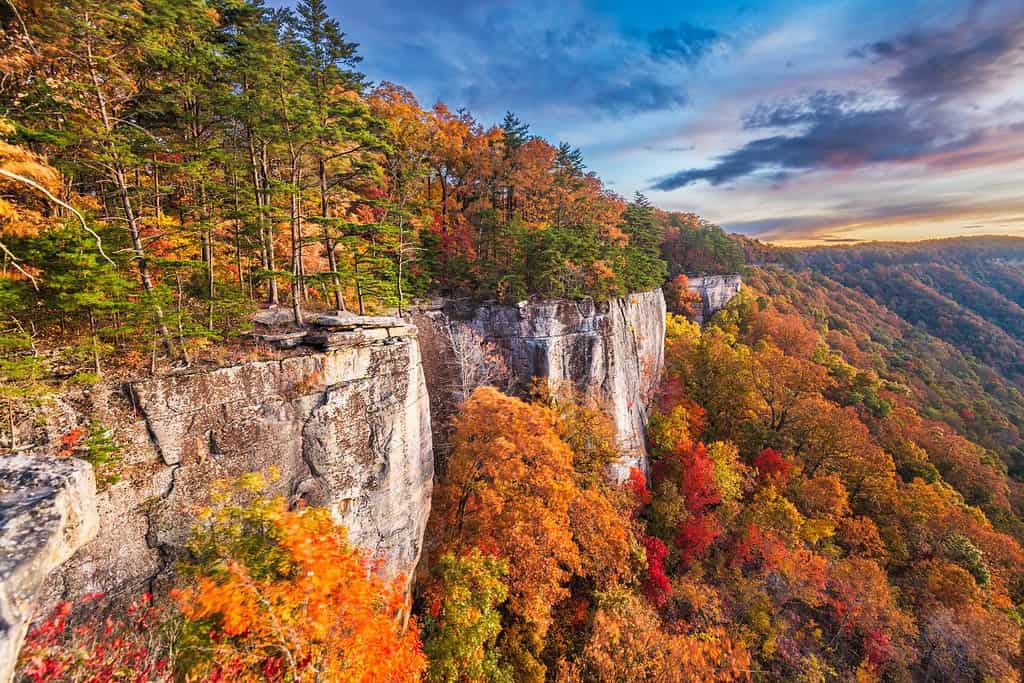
column 794, row 122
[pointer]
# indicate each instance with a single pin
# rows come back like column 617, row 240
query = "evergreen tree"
column 346, row 134
column 515, row 132
column 570, row 160
column 643, row 267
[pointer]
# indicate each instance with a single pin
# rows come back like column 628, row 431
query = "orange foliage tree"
column 527, row 482
column 857, row 550
column 681, row 299
column 281, row 595
column 508, row 491
column 629, row 643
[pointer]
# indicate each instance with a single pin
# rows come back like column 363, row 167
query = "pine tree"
column 643, row 267
column 346, row 134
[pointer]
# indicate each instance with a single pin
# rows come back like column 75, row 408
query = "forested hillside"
column 943, row 381
column 942, row 318
column 967, row 292
column 816, row 509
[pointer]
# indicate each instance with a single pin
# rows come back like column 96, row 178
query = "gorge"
column 352, row 426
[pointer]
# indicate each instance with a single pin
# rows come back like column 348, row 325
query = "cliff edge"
column 611, row 351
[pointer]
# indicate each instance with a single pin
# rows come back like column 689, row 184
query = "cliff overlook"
column 302, row 379
column 346, row 427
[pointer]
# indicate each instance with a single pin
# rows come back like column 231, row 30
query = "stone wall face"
column 47, row 512
column 348, row 429
column 612, row 351
column 715, row 292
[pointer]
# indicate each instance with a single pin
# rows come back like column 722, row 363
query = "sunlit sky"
column 788, row 121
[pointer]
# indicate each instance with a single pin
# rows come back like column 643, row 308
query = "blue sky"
column 792, row 121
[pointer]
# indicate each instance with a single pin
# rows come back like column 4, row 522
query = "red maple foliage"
column 772, row 467
column 638, row 485
column 97, row 651
column 656, row 585
column 698, row 477
column 695, row 537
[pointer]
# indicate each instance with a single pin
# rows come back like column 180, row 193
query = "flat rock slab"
column 330, row 339
column 47, row 511
column 349, row 321
column 274, row 317
column 337, row 340
column 287, row 340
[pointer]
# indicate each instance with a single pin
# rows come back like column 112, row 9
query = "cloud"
column 638, row 94
column 804, row 110
column 685, row 43
column 926, row 111
column 670, row 148
column 844, row 221
column 541, row 60
column 836, row 131
column 953, row 62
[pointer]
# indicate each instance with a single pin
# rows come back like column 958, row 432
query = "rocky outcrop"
column 611, row 351
column 347, row 428
column 47, row 512
column 715, row 292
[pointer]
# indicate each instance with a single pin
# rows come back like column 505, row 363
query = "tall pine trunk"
column 296, row 246
column 257, row 169
column 120, row 180
column 329, row 243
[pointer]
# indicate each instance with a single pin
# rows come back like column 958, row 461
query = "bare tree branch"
column 14, row 262
column 24, row 28
column 59, row 202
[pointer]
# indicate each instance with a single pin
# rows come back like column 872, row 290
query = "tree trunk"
column 181, row 328
column 296, row 237
column 238, row 232
column 208, row 254
column 121, row 183
column 359, row 288
column 301, row 238
column 95, row 345
column 329, row 243
column 257, row 170
column 158, row 210
column 139, row 250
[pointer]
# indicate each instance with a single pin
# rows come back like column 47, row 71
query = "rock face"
column 47, row 512
column 612, row 351
column 348, row 429
column 715, row 292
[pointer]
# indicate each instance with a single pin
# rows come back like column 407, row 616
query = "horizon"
column 787, row 122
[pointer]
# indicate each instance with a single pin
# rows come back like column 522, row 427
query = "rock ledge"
column 47, row 512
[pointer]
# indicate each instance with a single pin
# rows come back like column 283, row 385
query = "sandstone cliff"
column 348, row 428
column 715, row 292
column 47, row 512
column 612, row 351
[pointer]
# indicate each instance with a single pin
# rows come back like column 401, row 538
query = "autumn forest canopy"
column 174, row 163
column 835, row 487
